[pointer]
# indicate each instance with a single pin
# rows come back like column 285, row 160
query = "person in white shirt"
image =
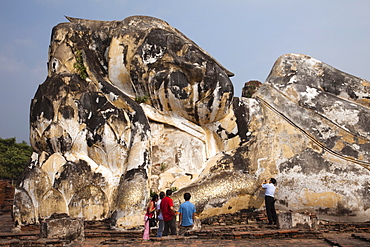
column 159, row 214
column 270, row 200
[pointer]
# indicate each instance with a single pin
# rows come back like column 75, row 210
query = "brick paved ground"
column 348, row 239
column 214, row 242
column 228, row 236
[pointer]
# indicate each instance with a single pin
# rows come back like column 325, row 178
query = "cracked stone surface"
column 134, row 106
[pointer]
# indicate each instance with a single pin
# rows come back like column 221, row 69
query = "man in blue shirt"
column 187, row 212
column 270, row 200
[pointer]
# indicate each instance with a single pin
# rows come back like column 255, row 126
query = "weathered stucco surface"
column 321, row 135
column 134, row 106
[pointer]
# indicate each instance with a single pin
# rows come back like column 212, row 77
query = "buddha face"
column 154, row 61
column 181, row 79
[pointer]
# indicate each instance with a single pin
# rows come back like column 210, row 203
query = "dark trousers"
column 170, row 226
column 270, row 209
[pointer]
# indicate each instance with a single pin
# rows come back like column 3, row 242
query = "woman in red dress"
column 150, row 211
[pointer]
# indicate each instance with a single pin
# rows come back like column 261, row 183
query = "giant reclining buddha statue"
column 133, row 107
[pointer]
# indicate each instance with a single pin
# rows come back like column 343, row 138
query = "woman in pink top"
column 150, row 210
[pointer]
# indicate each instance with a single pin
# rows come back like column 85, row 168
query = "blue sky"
column 244, row 36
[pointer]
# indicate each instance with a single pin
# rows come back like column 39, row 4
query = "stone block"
column 65, row 228
column 289, row 220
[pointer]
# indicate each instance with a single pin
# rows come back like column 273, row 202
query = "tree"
column 14, row 157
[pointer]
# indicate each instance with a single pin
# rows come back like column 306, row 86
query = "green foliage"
column 163, row 167
column 174, row 189
column 79, row 65
column 152, row 193
column 14, row 157
column 141, row 99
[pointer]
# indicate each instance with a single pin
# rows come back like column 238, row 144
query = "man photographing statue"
column 270, row 200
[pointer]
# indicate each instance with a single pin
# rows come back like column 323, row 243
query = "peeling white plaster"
column 339, row 114
column 293, row 80
column 112, row 96
column 92, row 47
column 309, row 95
column 152, row 59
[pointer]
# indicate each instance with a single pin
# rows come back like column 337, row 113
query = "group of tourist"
column 163, row 211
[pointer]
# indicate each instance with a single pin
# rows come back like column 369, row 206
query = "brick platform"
column 255, row 233
column 6, row 197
